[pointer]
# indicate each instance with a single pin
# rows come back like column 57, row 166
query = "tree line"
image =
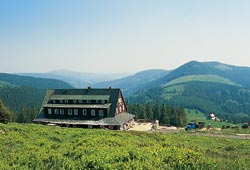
column 166, row 114
column 26, row 115
column 231, row 103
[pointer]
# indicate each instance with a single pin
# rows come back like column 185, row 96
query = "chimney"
column 110, row 87
column 89, row 87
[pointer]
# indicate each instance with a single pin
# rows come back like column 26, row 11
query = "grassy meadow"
column 200, row 117
column 32, row 146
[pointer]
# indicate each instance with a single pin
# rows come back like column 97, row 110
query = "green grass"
column 209, row 78
column 6, row 84
column 31, row 146
column 172, row 91
column 201, row 117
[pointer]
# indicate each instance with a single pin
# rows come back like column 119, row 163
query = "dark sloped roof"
column 80, row 97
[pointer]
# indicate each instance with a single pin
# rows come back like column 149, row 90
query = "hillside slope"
column 134, row 82
column 19, row 92
column 236, row 74
column 208, row 87
column 41, row 83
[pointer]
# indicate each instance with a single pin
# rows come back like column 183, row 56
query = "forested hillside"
column 19, row 97
column 134, row 82
column 40, row 83
column 236, row 74
column 23, row 95
column 208, row 87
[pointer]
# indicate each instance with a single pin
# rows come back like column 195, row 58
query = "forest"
column 166, row 114
column 231, row 103
column 23, row 95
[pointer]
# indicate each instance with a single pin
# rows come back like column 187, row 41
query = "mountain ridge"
column 228, row 84
column 134, row 82
column 76, row 79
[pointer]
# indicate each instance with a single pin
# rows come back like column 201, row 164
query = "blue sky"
column 114, row 36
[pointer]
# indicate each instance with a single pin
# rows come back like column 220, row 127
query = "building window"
column 84, row 112
column 92, row 112
column 116, row 110
column 88, row 101
column 61, row 101
column 49, row 111
column 61, row 111
column 80, row 101
column 70, row 112
column 56, row 111
column 74, row 101
column 75, row 111
column 120, row 109
column 66, row 101
column 54, row 101
column 100, row 112
column 123, row 107
column 102, row 101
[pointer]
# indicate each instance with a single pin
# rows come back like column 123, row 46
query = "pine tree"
column 5, row 114
column 164, row 117
column 149, row 111
column 173, row 117
column 156, row 111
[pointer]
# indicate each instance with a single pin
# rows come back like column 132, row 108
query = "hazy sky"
column 113, row 36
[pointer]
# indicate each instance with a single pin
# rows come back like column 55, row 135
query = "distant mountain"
column 134, row 82
column 236, row 74
column 206, row 86
column 77, row 79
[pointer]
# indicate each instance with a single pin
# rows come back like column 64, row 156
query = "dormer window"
column 102, row 101
column 49, row 111
column 66, row 101
column 61, row 101
column 74, row 101
column 54, row 101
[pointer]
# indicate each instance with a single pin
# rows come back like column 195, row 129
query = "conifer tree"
column 5, row 113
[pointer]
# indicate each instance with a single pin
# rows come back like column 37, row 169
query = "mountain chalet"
column 85, row 108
